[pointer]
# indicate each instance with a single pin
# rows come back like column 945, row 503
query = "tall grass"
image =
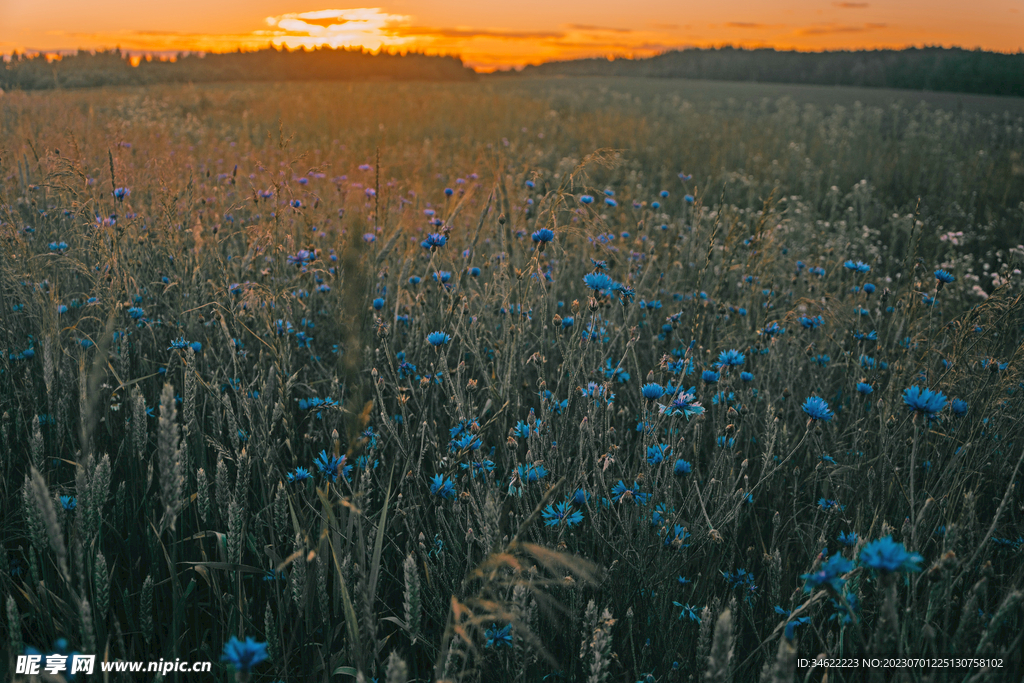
column 225, row 413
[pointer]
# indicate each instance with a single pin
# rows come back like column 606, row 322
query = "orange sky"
column 490, row 35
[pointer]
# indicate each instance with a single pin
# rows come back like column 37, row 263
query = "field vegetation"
column 522, row 381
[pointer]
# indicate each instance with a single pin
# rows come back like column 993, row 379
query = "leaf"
column 350, row 614
column 398, row 622
column 378, row 542
column 345, row 671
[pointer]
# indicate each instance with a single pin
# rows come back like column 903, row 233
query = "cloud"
column 749, row 24
column 851, row 5
column 471, row 33
column 827, row 29
column 591, row 27
column 364, row 26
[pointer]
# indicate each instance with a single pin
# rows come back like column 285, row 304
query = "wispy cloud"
column 598, row 29
column 828, row 29
column 851, row 5
column 471, row 33
column 749, row 24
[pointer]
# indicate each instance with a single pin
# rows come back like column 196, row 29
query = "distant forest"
column 929, row 68
column 112, row 67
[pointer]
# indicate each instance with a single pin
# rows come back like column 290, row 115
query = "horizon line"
column 137, row 55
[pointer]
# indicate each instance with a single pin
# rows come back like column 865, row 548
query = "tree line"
column 114, row 67
column 928, row 68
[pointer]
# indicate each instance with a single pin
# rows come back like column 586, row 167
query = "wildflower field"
column 514, row 380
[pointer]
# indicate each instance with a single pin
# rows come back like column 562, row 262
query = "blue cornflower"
column 474, row 271
column 924, row 401
column 434, row 240
column 688, row 611
column 684, row 404
column 858, row 266
column 817, row 409
column 243, row 655
column 658, row 516
column 300, row 474
column 944, row 277
column 178, row 343
column 812, row 323
column 598, row 281
column 677, row 537
column 135, row 312
column 682, row 468
column 532, row 472
column 864, row 388
column 442, row 486
column 543, row 235
column 438, row 338
column 829, row 573
column 621, row 492
column 849, row 539
column 586, row 199
column 561, row 512
column 616, row 373
column 595, row 391
column 747, row 376
column 958, row 406
column 710, row 376
column 330, row 466
column 657, row 453
column 652, row 391
column 826, row 505
column 731, row 358
column 678, row 366
column 121, row 192
column 68, row 502
column 466, row 441
column 885, row 555
column 196, row 346
column 378, row 304
column 300, row 258
column 822, row 359
column 844, row 611
column 415, row 280
column 498, row 637
column 442, row 276
column 478, row 466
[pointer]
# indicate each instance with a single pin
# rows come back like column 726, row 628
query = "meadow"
column 516, row 380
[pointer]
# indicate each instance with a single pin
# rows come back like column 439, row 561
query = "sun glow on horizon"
column 368, row 27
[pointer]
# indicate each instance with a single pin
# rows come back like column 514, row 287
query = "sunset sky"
column 488, row 35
